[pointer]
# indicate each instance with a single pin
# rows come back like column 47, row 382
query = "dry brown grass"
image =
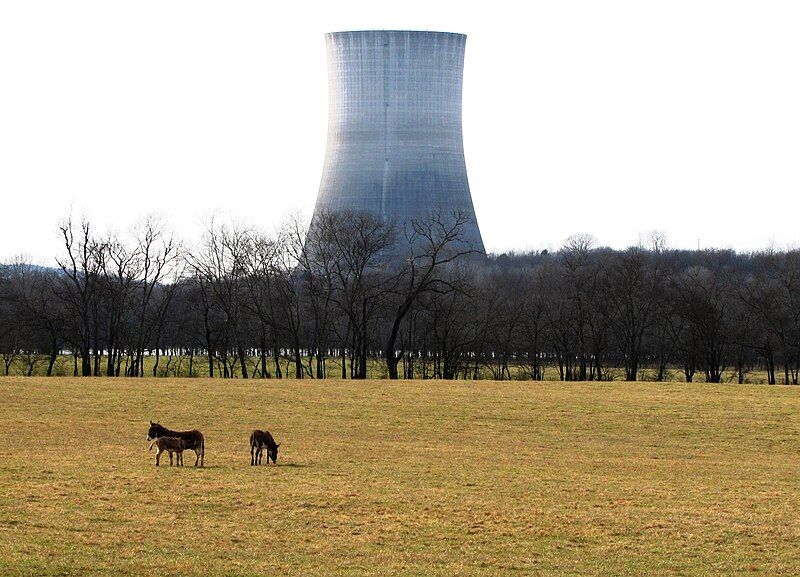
column 409, row 478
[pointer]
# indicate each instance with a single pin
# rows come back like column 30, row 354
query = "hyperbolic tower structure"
column 395, row 146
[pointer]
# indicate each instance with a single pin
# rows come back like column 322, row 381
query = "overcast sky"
column 608, row 118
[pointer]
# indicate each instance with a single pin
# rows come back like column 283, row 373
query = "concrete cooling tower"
column 395, row 146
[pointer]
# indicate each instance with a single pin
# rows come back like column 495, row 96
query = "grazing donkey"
column 259, row 440
column 192, row 440
column 171, row 445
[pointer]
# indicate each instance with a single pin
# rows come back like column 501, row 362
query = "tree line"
column 349, row 296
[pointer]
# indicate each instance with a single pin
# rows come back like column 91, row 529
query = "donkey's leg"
column 170, row 458
column 196, row 456
column 158, row 456
column 252, row 455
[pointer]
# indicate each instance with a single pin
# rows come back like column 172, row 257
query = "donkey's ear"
column 278, row 445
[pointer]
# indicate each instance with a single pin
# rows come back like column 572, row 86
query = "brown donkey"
column 170, row 445
column 192, row 440
column 259, row 440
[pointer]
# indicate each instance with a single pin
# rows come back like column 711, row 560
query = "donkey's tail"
column 202, row 451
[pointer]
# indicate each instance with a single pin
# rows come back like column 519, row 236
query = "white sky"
column 610, row 118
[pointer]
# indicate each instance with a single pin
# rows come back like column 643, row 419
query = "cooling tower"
column 395, row 145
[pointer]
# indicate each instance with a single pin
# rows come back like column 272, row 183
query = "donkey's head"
column 273, row 453
column 154, row 431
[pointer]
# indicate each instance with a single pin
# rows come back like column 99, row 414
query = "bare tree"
column 159, row 268
column 433, row 242
column 636, row 285
column 81, row 266
column 220, row 262
column 120, row 266
column 704, row 299
column 316, row 254
column 360, row 242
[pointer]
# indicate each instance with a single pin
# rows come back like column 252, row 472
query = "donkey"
column 193, row 440
column 170, row 445
column 259, row 440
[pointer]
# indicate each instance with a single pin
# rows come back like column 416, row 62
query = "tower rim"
column 403, row 31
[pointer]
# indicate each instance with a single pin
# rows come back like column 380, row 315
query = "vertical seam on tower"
column 385, row 42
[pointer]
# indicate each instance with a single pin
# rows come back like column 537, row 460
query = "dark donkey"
column 259, row 440
column 192, row 440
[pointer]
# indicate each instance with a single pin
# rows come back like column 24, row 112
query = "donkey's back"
column 259, row 438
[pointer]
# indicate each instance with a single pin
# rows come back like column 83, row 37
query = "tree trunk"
column 53, row 355
column 243, row 361
column 86, row 359
column 277, row 359
column 263, row 359
column 298, row 362
column 158, row 357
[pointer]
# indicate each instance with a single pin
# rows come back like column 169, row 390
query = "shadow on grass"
column 282, row 465
column 236, row 466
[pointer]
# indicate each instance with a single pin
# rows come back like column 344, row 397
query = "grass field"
column 178, row 366
column 385, row 478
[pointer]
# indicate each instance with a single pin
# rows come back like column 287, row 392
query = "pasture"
column 401, row 478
